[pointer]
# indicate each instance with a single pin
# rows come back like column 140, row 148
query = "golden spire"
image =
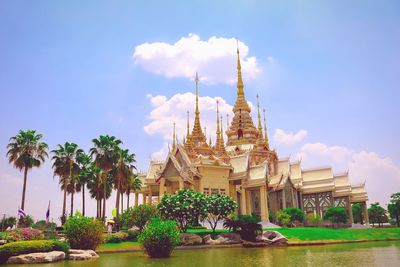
column 187, row 124
column 265, row 130
column 218, row 130
column 197, row 137
column 240, row 91
column 174, row 139
column 210, row 142
column 222, row 131
column 197, row 112
column 205, row 130
column 260, row 133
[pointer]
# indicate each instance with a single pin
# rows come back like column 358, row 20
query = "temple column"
column 144, row 198
column 283, row 199
column 232, row 192
column 243, row 202
column 161, row 189
column 264, row 204
column 248, row 202
column 351, row 220
column 366, row 218
column 181, row 184
column 150, row 196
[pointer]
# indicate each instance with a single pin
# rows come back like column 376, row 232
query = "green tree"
column 66, row 168
column 134, row 184
column 104, row 153
column 394, row 207
column 185, row 206
column 218, row 208
column 377, row 214
column 136, row 187
column 26, row 151
column 96, row 188
column 336, row 215
column 282, row 218
column 357, row 210
column 84, row 162
column 139, row 216
column 296, row 214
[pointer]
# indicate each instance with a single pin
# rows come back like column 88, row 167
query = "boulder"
column 190, row 239
column 41, row 257
column 269, row 238
column 2, row 242
column 79, row 254
column 230, row 238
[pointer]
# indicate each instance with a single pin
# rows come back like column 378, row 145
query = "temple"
column 246, row 168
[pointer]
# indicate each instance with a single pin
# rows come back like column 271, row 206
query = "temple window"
column 206, row 191
column 214, row 191
column 222, row 191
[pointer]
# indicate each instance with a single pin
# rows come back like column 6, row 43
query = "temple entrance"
column 255, row 202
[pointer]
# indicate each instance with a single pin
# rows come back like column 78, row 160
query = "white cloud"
column 281, row 137
column 381, row 174
column 214, row 59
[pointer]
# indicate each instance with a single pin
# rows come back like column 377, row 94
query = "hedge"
column 33, row 246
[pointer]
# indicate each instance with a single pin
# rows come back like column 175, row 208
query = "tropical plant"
column 96, row 188
column 357, row 210
column 117, row 237
column 185, row 206
column 282, row 218
column 159, row 238
column 313, row 220
column 122, row 173
column 104, row 153
column 25, row 221
column 43, row 225
column 377, row 214
column 84, row 161
column 296, row 214
column 26, row 151
column 248, row 226
column 26, row 247
column 394, row 207
column 66, row 168
column 134, row 184
column 7, row 222
column 218, row 208
column 139, row 216
column 336, row 215
column 83, row 232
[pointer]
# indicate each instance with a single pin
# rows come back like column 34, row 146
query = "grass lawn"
column 322, row 234
column 109, row 247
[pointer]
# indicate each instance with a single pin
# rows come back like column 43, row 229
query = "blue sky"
column 329, row 68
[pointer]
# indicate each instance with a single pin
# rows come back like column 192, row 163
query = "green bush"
column 83, row 232
column 246, row 225
column 313, row 220
column 132, row 235
column 42, row 225
column 282, row 218
column 116, row 237
column 138, row 216
column 25, row 247
column 296, row 214
column 159, row 238
column 336, row 215
column 25, row 222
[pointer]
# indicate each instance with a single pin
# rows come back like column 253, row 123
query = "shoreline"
column 289, row 244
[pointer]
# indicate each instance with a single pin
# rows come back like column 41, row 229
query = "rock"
column 41, row 257
column 230, row 238
column 2, row 242
column 270, row 238
column 79, row 254
column 190, row 239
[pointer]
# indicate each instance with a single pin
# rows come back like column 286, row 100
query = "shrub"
column 132, row 235
column 296, row 214
column 43, row 225
column 185, row 207
column 336, row 215
column 282, row 218
column 218, row 208
column 139, row 216
column 313, row 220
column 25, row 222
column 21, row 234
column 83, row 232
column 116, row 237
column 246, row 225
column 7, row 222
column 25, row 247
column 159, row 238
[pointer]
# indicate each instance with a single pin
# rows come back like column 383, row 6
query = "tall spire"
column 222, row 131
column 197, row 112
column 260, row 133
column 265, row 131
column 174, row 139
column 187, row 124
column 197, row 136
column 240, row 91
column 218, row 129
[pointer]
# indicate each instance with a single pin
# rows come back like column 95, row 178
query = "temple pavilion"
column 247, row 169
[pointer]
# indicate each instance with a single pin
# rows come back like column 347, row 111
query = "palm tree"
column 134, row 184
column 122, row 173
column 104, row 157
column 26, row 151
column 65, row 166
column 84, row 162
column 95, row 186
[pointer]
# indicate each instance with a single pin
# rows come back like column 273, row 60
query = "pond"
column 357, row 254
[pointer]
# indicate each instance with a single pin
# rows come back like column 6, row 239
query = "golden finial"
column 227, row 121
column 209, row 142
column 265, row 130
column 205, row 131
column 197, row 94
column 259, row 116
column 222, row 131
column 218, row 130
column 187, row 124
column 240, row 91
column 174, row 138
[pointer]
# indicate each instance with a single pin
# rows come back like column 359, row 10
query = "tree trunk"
column 127, row 200
column 65, row 200
column 72, row 204
column 117, row 203
column 136, row 199
column 83, row 199
column 24, row 188
column 122, row 202
column 104, row 198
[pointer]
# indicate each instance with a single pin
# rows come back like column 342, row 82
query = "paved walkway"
column 220, row 225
